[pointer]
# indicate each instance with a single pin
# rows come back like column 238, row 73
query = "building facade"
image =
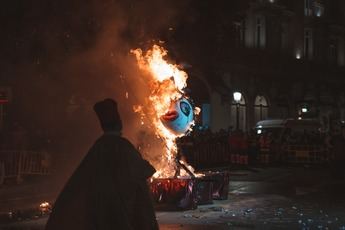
column 285, row 57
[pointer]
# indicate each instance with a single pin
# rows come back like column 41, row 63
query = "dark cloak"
column 108, row 191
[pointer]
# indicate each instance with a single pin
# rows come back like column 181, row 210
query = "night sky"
column 60, row 57
column 47, row 45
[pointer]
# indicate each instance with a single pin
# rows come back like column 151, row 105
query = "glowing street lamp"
column 237, row 98
column 298, row 54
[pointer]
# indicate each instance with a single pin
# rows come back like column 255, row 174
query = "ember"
column 45, row 207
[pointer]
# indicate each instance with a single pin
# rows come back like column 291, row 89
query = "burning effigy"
column 169, row 112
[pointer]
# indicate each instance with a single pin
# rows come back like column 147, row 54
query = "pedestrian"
column 109, row 188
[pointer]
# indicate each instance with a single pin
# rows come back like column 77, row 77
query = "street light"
column 237, row 99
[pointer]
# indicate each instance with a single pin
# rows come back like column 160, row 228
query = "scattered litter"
column 197, row 217
column 305, row 228
column 249, row 210
column 203, row 210
column 279, row 212
column 217, row 209
column 300, row 221
column 187, row 215
column 310, row 220
column 294, row 207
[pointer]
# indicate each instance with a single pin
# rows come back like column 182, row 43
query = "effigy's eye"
column 185, row 108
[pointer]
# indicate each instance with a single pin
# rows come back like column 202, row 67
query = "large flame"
column 166, row 83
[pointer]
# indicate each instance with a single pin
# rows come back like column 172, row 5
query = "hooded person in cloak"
column 109, row 189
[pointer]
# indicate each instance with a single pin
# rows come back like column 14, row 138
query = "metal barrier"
column 14, row 164
column 305, row 154
column 216, row 155
column 208, row 154
column 265, row 155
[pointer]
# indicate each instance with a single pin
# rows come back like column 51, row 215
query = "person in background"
column 109, row 188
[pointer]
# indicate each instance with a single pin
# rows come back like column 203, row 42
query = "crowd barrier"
column 15, row 164
column 305, row 154
column 265, row 156
column 208, row 154
column 203, row 155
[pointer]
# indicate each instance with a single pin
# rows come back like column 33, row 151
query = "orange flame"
column 166, row 82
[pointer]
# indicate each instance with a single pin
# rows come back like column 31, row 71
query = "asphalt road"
column 259, row 198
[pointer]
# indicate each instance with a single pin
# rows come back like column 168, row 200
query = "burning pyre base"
column 174, row 193
column 187, row 193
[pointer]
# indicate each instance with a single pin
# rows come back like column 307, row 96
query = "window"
column 239, row 30
column 258, row 32
column 238, row 118
column 260, row 108
column 308, row 10
column 242, row 31
column 333, row 50
column 308, row 43
column 318, row 9
column 5, row 96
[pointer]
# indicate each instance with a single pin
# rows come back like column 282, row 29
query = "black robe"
column 108, row 191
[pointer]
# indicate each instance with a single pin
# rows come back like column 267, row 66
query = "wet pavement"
column 259, row 198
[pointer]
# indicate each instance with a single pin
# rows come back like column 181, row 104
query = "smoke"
column 64, row 56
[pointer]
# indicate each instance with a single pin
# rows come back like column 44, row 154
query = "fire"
column 44, row 207
column 166, row 83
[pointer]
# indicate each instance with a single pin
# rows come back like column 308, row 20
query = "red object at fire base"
column 174, row 193
column 187, row 193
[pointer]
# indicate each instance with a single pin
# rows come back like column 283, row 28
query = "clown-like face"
column 180, row 117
